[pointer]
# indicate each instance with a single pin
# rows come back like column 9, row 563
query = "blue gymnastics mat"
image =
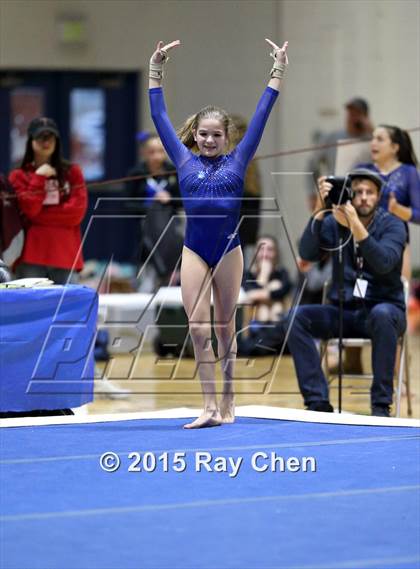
column 341, row 496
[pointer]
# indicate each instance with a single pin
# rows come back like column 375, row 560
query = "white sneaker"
column 107, row 389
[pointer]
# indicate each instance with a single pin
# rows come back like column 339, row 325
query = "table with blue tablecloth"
column 47, row 338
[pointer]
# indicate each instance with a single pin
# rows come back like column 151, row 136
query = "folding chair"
column 403, row 365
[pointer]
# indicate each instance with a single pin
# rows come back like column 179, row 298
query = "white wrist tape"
column 278, row 71
column 156, row 70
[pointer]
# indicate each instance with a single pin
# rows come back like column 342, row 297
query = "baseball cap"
column 359, row 104
column 42, row 124
column 366, row 174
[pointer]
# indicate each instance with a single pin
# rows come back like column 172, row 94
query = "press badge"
column 360, row 288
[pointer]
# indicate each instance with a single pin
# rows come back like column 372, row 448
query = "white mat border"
column 251, row 411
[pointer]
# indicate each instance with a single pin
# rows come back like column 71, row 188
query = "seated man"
column 373, row 243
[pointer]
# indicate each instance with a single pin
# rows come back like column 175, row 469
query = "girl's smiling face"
column 211, row 137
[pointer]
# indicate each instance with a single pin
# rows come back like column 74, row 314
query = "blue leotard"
column 404, row 181
column 211, row 188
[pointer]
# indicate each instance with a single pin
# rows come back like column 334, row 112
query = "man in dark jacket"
column 156, row 194
column 372, row 246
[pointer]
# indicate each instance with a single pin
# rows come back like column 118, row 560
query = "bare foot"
column 209, row 418
column 227, row 408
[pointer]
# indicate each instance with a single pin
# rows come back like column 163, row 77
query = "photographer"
column 373, row 298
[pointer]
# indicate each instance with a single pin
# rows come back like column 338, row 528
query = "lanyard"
column 359, row 260
column 357, row 254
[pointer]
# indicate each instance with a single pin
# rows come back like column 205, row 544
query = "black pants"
column 59, row 276
column 383, row 324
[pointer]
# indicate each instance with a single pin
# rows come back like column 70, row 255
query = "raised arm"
column 157, row 62
column 281, row 61
column 173, row 146
column 248, row 145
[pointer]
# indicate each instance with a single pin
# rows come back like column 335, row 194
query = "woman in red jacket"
column 52, row 198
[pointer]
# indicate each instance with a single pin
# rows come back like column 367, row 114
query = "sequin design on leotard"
column 404, row 183
column 211, row 188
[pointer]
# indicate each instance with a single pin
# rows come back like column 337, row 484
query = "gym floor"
column 166, row 383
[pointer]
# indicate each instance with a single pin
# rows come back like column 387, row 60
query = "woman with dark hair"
column 211, row 182
column 52, row 198
column 394, row 159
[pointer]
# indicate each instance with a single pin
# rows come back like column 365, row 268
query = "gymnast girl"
column 211, row 183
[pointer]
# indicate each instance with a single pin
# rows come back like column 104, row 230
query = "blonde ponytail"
column 186, row 134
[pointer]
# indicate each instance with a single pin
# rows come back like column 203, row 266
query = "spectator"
column 156, row 194
column 373, row 295
column 52, row 198
column 267, row 283
column 357, row 125
column 394, row 160
column 154, row 181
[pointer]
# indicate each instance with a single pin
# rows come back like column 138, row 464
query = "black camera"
column 340, row 192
